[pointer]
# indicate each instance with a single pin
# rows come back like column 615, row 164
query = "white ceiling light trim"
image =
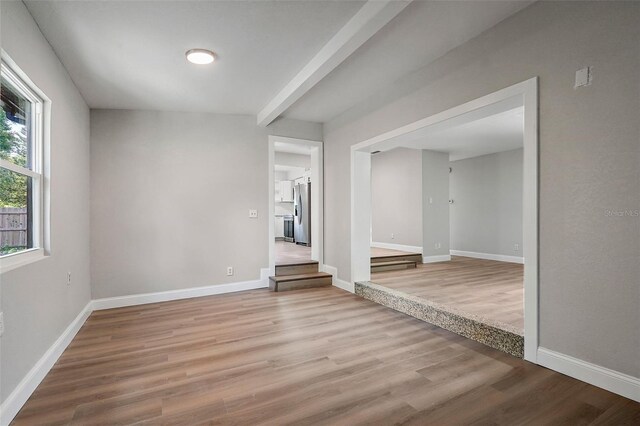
column 374, row 15
column 200, row 56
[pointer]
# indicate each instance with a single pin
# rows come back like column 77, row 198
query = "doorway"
column 526, row 94
column 295, row 201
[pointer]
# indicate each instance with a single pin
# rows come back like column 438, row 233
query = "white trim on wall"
column 337, row 282
column 527, row 93
column 271, row 160
column 317, row 197
column 613, row 381
column 185, row 293
column 401, row 247
column 14, row 402
column 437, row 258
column 488, row 256
column 360, row 215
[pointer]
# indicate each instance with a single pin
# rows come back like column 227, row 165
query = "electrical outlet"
column 1, row 323
column 516, row 247
column 393, row 236
column 253, row 214
column 229, row 271
column 68, row 278
column 437, row 245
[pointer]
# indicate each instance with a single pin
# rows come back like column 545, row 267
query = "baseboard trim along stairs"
column 298, row 276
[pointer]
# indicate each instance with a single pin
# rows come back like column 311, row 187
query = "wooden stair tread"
column 302, row 262
column 391, row 256
column 300, row 268
column 410, row 257
column 285, row 278
column 394, row 262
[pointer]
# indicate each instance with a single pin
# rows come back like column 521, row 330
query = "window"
column 21, row 167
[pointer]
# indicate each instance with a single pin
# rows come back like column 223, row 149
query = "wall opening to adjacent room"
column 295, row 198
column 478, row 217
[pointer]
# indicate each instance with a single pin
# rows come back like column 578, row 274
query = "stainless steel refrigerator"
column 302, row 214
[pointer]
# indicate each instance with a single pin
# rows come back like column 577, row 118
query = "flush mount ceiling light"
column 200, row 56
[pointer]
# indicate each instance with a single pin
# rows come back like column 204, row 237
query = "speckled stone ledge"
column 503, row 337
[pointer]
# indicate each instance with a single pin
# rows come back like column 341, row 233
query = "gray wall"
column 170, row 195
column 435, row 203
column 396, row 200
column 295, row 160
column 589, row 161
column 486, row 215
column 36, row 301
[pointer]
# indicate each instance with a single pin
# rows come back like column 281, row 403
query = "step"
column 300, row 281
column 395, row 265
column 503, row 337
column 413, row 257
column 296, row 268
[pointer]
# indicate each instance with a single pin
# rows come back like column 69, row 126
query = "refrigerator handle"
column 300, row 205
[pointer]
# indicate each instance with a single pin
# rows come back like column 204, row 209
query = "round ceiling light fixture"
column 200, row 56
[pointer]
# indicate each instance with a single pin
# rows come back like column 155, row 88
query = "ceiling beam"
column 374, row 15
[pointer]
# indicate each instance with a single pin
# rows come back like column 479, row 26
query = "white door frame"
column 361, row 195
column 317, row 198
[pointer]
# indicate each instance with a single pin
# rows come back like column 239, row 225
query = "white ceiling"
column 421, row 33
column 488, row 130
column 130, row 54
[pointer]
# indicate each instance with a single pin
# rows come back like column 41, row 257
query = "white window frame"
column 38, row 131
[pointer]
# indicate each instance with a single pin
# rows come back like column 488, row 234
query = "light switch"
column 253, row 214
column 583, row 77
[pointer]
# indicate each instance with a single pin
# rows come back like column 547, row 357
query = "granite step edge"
column 503, row 337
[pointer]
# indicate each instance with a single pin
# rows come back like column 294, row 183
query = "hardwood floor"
column 486, row 288
column 291, row 253
column 318, row 356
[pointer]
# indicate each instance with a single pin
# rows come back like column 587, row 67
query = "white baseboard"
column 345, row 285
column 14, row 402
column 401, row 247
column 434, row 259
column 613, row 381
column 488, row 256
column 187, row 293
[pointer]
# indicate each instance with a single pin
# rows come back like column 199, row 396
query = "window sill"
column 18, row 260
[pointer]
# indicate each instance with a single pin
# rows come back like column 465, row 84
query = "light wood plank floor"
column 318, row 356
column 486, row 288
column 291, row 253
